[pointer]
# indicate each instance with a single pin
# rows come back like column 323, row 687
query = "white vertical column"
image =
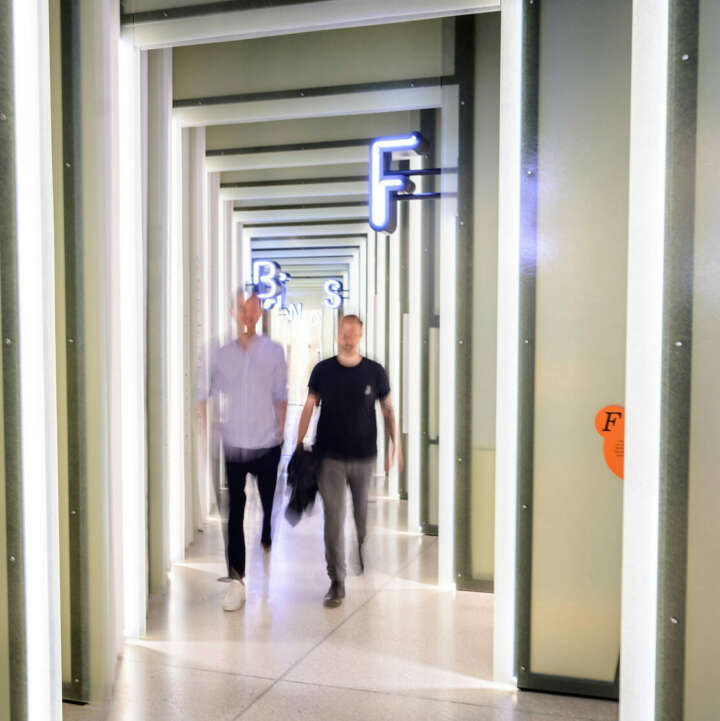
column 448, row 342
column 371, row 279
column 416, row 285
column 211, row 205
column 648, row 139
column 381, row 240
column 200, row 322
column 36, row 302
column 158, row 233
column 507, row 344
column 245, row 256
column 228, row 236
column 395, row 340
column 129, row 262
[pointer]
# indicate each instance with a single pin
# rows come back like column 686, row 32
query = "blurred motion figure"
column 249, row 375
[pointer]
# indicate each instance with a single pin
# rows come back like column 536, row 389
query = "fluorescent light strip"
column 36, row 299
column 507, row 348
column 131, row 303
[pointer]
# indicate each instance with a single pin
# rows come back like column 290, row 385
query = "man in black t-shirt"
column 347, row 387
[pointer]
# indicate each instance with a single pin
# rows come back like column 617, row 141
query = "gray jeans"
column 333, row 477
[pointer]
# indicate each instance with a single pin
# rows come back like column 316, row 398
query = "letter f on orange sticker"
column 610, row 424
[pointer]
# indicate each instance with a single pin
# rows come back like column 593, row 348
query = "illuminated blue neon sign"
column 333, row 293
column 270, row 283
column 384, row 183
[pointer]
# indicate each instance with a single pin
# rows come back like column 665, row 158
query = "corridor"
column 399, row 648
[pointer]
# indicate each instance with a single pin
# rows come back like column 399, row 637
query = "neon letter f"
column 384, row 184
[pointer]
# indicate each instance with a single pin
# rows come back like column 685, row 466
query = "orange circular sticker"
column 610, row 424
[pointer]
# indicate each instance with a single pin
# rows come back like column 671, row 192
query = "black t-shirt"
column 346, row 428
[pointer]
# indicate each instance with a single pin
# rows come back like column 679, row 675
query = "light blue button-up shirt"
column 248, row 382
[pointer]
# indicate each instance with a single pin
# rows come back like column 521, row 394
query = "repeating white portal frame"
column 363, row 102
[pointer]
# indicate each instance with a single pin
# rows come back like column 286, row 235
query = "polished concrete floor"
column 399, row 648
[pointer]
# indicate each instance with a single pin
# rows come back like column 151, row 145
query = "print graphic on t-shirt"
column 346, row 428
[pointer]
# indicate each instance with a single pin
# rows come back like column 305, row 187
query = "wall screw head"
column 529, row 172
column 685, row 57
column 8, row 341
column 525, row 506
column 71, row 340
column 12, row 559
column 3, row 116
column 412, row 85
column 522, row 668
column 678, row 343
column 302, row 94
column 674, row 620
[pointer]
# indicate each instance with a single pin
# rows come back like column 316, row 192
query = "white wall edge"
column 648, row 138
column 507, row 343
column 36, row 303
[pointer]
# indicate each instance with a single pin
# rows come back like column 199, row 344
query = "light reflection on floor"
column 399, row 648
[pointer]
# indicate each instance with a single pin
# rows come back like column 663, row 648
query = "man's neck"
column 247, row 336
column 349, row 359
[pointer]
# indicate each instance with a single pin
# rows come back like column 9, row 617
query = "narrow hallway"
column 399, row 648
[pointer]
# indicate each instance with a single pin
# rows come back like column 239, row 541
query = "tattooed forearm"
column 389, row 415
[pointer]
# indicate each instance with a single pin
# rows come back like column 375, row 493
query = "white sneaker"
column 234, row 596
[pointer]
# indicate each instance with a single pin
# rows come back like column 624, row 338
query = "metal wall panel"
column 12, row 607
column 575, row 175
column 703, row 571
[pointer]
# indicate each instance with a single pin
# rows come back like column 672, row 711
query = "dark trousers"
column 265, row 468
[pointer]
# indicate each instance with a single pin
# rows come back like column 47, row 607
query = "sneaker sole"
column 333, row 604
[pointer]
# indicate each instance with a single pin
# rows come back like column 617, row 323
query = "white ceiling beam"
column 307, row 230
column 301, row 190
column 299, row 214
column 350, row 103
column 287, row 159
column 302, row 243
column 304, row 17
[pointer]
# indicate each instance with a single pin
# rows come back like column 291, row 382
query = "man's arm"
column 394, row 452
column 305, row 416
column 280, row 391
column 281, row 414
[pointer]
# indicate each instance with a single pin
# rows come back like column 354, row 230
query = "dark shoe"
column 265, row 539
column 335, row 594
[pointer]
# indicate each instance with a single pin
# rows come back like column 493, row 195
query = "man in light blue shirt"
column 248, row 377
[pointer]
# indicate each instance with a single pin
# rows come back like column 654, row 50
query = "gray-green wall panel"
column 702, row 636
column 582, row 177
column 13, row 670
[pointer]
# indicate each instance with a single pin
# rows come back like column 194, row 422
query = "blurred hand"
column 393, row 455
